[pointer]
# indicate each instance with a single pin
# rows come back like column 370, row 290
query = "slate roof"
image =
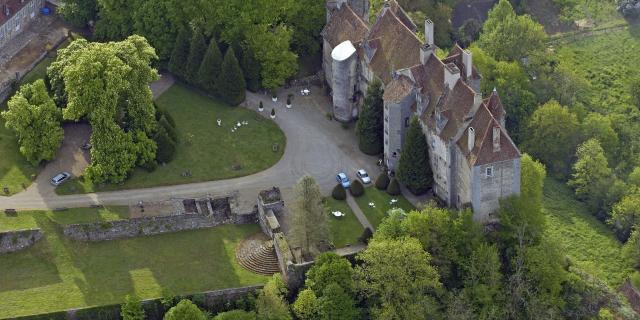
column 345, row 25
column 455, row 57
column 494, row 104
column 402, row 15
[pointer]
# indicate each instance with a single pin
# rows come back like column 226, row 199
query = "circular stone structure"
column 344, row 80
column 257, row 254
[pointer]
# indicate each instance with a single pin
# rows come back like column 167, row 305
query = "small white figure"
column 219, row 122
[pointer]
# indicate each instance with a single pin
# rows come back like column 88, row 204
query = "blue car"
column 343, row 180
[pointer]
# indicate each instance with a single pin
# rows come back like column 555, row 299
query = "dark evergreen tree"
column 197, row 48
column 171, row 131
column 251, row 69
column 180, row 53
column 338, row 192
column 166, row 146
column 357, row 189
column 383, row 181
column 393, row 189
column 370, row 124
column 210, row 67
column 231, row 84
column 414, row 169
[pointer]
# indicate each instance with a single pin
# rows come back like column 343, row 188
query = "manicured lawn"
column 589, row 244
column 15, row 171
column 88, row 215
column 208, row 151
column 56, row 273
column 382, row 201
column 344, row 230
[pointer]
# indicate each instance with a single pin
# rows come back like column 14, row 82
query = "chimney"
column 451, row 75
column 496, row 139
column 467, row 60
column 426, row 51
column 471, row 140
column 428, row 32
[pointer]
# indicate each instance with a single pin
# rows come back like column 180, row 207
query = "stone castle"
column 474, row 161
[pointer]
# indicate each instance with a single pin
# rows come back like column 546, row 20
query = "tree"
column 155, row 20
column 271, row 48
column 131, row 309
column 631, row 249
column 166, row 146
column 306, row 305
column 394, row 187
column 329, row 268
column 483, row 283
column 339, row 193
column 78, row 12
column 210, row 67
column 634, row 89
column 600, row 127
column 236, row 315
column 414, row 169
column 116, row 20
column 308, row 227
column 231, row 84
column 197, row 49
column 34, row 117
column 270, row 304
column 626, row 214
column 250, row 68
column 357, row 189
column 307, row 20
column 398, row 280
column 185, row 309
column 336, row 304
column 383, row 181
column 553, row 133
column 370, row 124
column 507, row 36
column 591, row 176
column 180, row 53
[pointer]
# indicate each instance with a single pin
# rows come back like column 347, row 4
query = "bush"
column 357, row 189
column 171, row 131
column 166, row 147
column 339, row 193
column 383, row 181
column 394, row 187
column 160, row 112
column 366, row 236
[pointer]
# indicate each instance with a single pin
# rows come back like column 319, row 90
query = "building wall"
column 440, row 159
column 19, row 21
column 487, row 191
column 343, row 85
column 462, row 181
column 327, row 62
column 396, row 121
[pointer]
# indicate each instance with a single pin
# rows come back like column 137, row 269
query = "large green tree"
column 270, row 304
column 553, row 133
column 308, row 221
column 626, row 214
column 507, row 36
column 184, row 310
column 414, row 169
column 483, row 283
column 153, row 19
column 197, row 49
column 336, row 304
column 307, row 20
column 34, row 117
column 270, row 46
column 398, row 280
column 180, row 53
column 370, row 124
column 116, row 19
column 78, row 12
column 210, row 67
column 591, row 176
column 231, row 84
column 329, row 268
column 306, row 306
column 600, row 127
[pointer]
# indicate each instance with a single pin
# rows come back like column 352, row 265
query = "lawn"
column 589, row 244
column 209, row 152
column 344, row 230
column 607, row 62
column 57, row 273
column 382, row 201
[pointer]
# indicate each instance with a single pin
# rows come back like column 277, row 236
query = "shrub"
column 171, row 131
column 357, row 189
column 383, row 181
column 273, row 111
column 261, row 106
column 160, row 112
column 394, row 187
column 366, row 236
column 339, row 193
column 288, row 101
column 166, row 147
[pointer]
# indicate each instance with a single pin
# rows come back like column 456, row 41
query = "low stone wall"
column 146, row 226
column 13, row 241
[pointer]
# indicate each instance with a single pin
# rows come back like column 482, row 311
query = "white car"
column 363, row 176
column 60, row 178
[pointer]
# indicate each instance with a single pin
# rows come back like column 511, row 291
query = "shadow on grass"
column 30, row 268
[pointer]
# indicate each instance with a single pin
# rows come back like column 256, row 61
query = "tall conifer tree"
column 210, row 67
column 180, row 53
column 414, row 169
column 370, row 124
column 197, row 48
column 231, row 84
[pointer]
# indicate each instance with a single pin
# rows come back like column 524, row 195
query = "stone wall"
column 13, row 241
column 148, row 226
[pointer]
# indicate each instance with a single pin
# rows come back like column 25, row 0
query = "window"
column 406, row 122
column 489, row 172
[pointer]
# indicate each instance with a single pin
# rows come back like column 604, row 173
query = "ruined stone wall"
column 13, row 241
column 148, row 226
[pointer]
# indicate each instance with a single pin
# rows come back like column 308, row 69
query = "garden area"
column 382, row 203
column 346, row 229
column 589, row 244
column 205, row 151
column 57, row 273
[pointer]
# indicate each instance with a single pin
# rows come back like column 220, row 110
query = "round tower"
column 344, row 80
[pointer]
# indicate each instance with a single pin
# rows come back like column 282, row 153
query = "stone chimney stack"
column 426, row 51
column 467, row 60
column 428, row 32
column 496, row 139
column 451, row 75
column 471, row 140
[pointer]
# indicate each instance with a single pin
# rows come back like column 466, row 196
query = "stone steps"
column 258, row 256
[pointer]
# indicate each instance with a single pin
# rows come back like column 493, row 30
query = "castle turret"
column 344, row 60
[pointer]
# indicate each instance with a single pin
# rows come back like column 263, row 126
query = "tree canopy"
column 414, row 168
column 370, row 124
column 308, row 224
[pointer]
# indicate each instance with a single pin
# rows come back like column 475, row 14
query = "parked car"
column 60, row 178
column 343, row 180
column 363, row 176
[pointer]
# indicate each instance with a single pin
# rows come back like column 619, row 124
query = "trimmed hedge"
column 339, row 193
column 383, row 181
column 357, row 189
column 394, row 187
column 366, row 236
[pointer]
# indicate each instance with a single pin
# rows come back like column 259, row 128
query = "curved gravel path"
column 315, row 146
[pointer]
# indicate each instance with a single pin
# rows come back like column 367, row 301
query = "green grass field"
column 382, row 201
column 344, row 230
column 589, row 244
column 607, row 62
column 57, row 273
column 208, row 151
